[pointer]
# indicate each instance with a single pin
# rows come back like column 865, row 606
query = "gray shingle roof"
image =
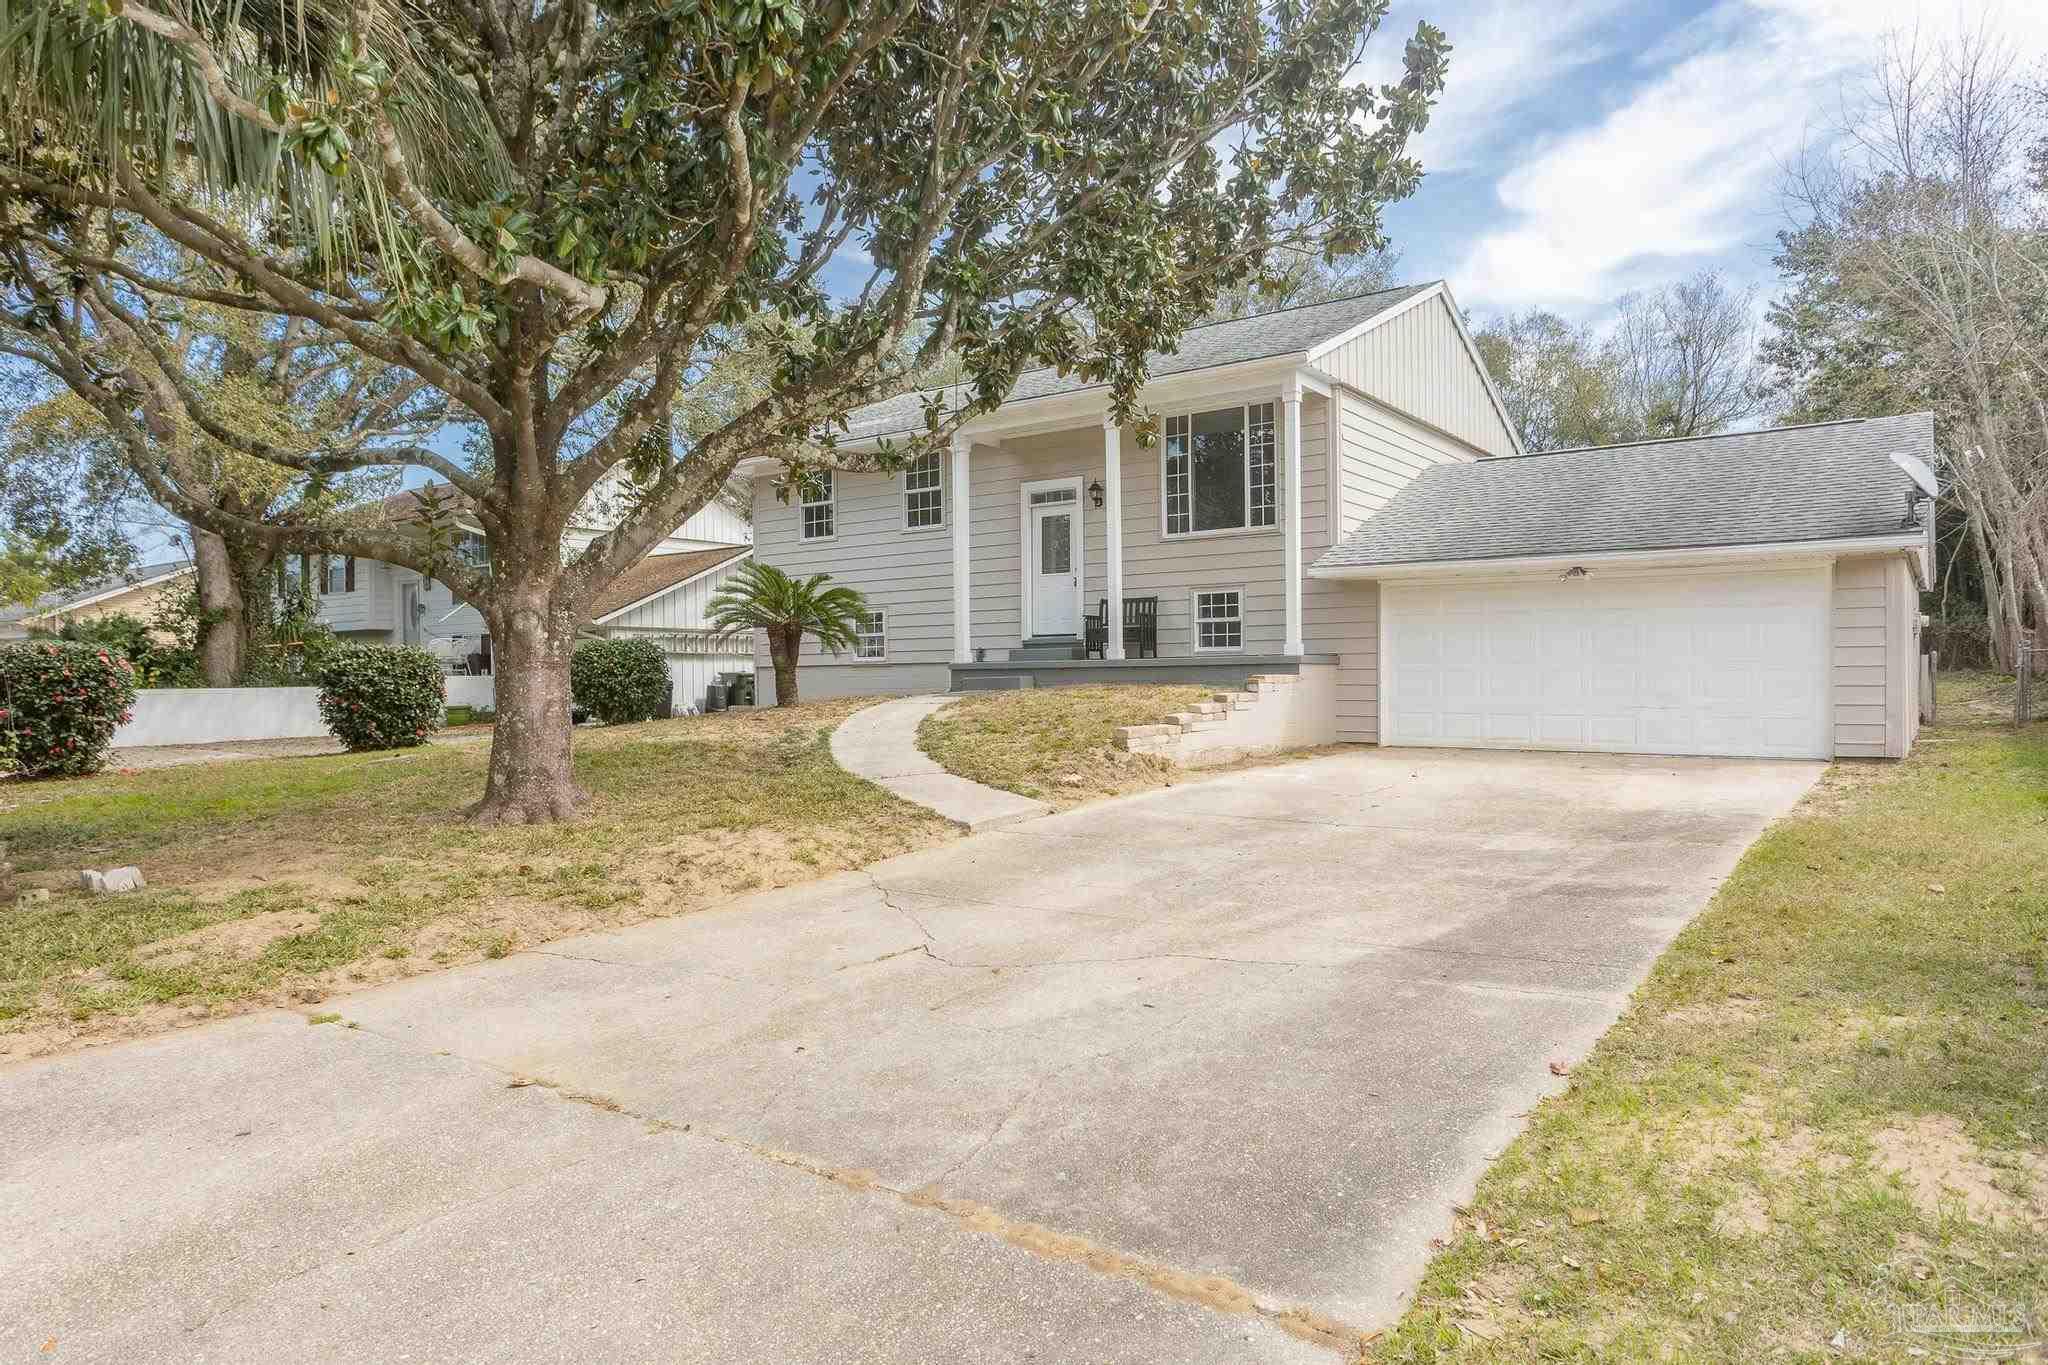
column 1829, row 481
column 57, row 601
column 1287, row 331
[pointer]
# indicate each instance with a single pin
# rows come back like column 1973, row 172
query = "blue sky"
column 1583, row 149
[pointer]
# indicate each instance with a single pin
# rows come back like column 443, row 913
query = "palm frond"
column 86, row 90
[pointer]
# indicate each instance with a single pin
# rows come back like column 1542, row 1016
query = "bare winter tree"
column 557, row 215
column 1685, row 357
column 1922, row 267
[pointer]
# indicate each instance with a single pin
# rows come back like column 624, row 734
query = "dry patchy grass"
column 1054, row 743
column 286, row 881
column 1826, row 1109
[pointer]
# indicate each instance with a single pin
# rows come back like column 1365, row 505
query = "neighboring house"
column 139, row 593
column 1337, row 490
column 660, row 598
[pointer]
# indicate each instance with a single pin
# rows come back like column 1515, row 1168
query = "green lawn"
column 286, row 880
column 1826, row 1112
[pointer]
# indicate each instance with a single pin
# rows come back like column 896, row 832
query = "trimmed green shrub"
column 60, row 703
column 619, row 681
column 381, row 696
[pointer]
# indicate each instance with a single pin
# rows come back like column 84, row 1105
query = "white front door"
column 1702, row 663
column 1055, row 568
column 409, row 613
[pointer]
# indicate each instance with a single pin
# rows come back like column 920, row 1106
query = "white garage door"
column 1729, row 663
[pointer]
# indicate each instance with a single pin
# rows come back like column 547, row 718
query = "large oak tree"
column 557, row 214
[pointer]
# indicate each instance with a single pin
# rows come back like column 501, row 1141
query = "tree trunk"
column 783, row 644
column 531, row 780
column 222, row 628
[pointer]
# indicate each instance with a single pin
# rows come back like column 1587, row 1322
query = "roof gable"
column 1266, row 336
column 1828, row 481
column 1409, row 356
column 658, row 574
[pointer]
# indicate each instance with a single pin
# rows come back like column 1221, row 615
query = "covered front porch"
column 1083, row 555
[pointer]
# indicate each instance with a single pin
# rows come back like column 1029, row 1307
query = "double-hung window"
column 816, row 508
column 339, row 574
column 1218, row 471
column 871, row 636
column 1219, row 618
column 924, row 498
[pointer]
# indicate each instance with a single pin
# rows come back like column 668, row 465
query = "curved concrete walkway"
column 880, row 744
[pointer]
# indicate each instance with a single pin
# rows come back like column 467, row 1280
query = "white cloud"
column 1506, row 55
column 1686, row 168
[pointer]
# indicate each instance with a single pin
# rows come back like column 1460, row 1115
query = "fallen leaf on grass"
column 1581, row 1217
column 1473, row 1327
column 1560, row 1069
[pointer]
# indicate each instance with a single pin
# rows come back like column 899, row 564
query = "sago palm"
column 763, row 597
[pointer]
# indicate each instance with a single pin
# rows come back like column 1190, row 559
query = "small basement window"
column 1219, row 618
column 817, row 509
column 871, row 636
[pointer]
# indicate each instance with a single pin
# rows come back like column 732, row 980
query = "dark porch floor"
column 1220, row 670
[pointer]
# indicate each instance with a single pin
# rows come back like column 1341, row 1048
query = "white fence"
column 224, row 715
column 217, row 715
column 472, row 691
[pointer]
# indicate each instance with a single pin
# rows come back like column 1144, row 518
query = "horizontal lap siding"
column 1382, row 451
column 909, row 575
column 1864, row 688
column 906, row 574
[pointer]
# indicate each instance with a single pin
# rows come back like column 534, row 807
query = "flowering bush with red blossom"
column 382, row 697
column 60, row 703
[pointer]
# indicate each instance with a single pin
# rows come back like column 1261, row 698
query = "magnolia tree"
column 560, row 215
column 280, row 384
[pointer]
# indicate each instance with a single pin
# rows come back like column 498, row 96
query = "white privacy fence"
column 223, row 715
column 217, row 715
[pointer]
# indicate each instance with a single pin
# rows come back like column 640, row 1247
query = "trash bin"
column 714, row 698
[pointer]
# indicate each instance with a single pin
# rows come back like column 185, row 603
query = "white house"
column 662, row 598
column 1338, row 494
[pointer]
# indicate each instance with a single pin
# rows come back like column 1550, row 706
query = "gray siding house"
column 1337, row 490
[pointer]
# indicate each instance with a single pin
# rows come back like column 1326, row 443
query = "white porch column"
column 963, row 634
column 1290, row 511
column 1113, row 533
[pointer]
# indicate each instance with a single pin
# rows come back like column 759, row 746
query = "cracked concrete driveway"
column 1192, row 1076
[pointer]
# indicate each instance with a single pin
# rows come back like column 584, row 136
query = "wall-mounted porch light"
column 1095, row 492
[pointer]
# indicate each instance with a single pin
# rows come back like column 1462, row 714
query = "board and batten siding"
column 680, row 608
column 908, row 574
column 1418, row 363
column 1381, row 451
column 1876, row 674
column 675, row 620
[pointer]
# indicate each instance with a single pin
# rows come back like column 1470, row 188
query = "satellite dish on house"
column 1917, row 470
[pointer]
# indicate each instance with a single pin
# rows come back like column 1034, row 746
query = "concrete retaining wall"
column 1273, row 711
column 216, row 715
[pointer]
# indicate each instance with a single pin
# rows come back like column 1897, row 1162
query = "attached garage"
column 1754, row 594
column 1715, row 663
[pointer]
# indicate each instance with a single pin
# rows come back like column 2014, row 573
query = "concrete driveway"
column 1193, row 1076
